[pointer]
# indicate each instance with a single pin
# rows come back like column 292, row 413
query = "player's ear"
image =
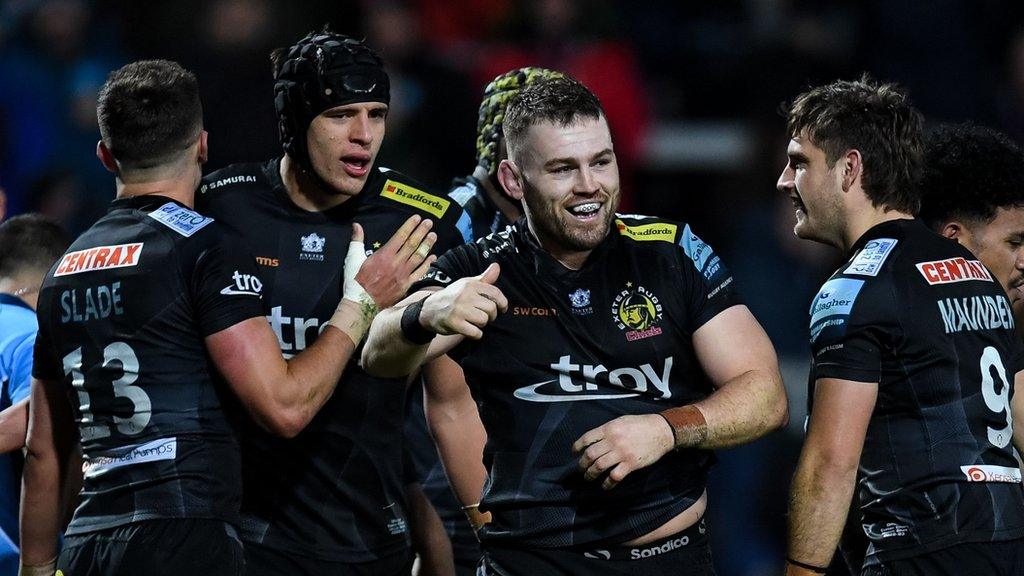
column 106, row 157
column 511, row 178
column 954, row 230
column 853, row 167
column 204, row 150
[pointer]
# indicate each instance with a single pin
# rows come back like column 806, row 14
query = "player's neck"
column 179, row 189
column 24, row 287
column 571, row 259
column 509, row 210
column 303, row 191
column 864, row 220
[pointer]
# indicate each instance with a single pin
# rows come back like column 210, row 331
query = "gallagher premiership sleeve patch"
column 831, row 307
column 870, row 259
column 180, row 219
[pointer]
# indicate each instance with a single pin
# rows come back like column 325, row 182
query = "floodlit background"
column 692, row 91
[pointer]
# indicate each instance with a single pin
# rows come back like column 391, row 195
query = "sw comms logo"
column 639, row 310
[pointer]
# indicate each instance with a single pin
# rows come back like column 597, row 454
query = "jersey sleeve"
column 45, row 363
column 707, row 283
column 20, row 382
column 850, row 322
column 459, row 262
column 226, row 287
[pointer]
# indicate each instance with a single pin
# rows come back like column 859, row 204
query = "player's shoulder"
column 463, row 190
column 397, row 190
column 236, row 177
column 664, row 236
column 500, row 244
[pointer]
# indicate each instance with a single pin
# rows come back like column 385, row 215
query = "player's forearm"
column 1017, row 410
column 388, row 353
column 818, row 505
column 40, row 507
column 460, row 438
column 13, row 426
column 429, row 539
column 740, row 411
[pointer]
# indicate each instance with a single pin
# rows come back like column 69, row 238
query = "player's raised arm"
column 13, row 426
column 284, row 395
column 399, row 338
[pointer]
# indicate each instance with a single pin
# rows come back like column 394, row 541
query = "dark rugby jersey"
column 122, row 318
column 575, row 350
column 335, row 492
column 484, row 215
column 919, row 315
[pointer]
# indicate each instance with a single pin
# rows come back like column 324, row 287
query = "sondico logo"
column 637, row 554
column 587, row 382
column 245, row 285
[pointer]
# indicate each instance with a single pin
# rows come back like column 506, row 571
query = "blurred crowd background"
column 692, row 90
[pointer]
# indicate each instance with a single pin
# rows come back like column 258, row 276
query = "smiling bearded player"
column 600, row 420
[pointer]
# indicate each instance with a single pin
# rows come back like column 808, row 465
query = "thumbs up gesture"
column 465, row 306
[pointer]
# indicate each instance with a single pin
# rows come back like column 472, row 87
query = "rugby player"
column 453, row 414
column 608, row 354
column 29, row 245
column 133, row 319
column 335, row 499
column 973, row 191
column 914, row 357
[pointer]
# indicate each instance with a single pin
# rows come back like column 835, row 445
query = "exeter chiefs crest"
column 312, row 247
column 638, row 311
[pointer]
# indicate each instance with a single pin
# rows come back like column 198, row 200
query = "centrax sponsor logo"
column 953, row 270
column 99, row 258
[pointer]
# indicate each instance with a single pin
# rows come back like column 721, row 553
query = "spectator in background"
column 29, row 245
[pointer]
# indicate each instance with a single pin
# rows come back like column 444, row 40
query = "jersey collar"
column 142, row 202
column 11, row 300
column 887, row 229
column 547, row 266
column 273, row 173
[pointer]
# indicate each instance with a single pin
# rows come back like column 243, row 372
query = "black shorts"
column 172, row 546
column 981, row 558
column 265, row 561
column 685, row 553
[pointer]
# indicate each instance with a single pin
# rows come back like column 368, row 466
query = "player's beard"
column 551, row 222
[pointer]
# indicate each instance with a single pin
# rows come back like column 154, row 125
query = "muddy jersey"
column 122, row 321
column 920, row 316
column 335, row 491
column 576, row 349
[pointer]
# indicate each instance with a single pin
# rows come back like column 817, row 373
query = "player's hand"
column 465, row 306
column 388, row 273
column 623, row 445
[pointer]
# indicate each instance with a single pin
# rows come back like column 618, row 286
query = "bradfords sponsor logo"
column 99, row 258
column 416, row 198
column 162, row 449
column 953, row 270
column 986, row 473
column 976, row 313
column 639, row 310
column 832, row 305
column 585, row 382
column 643, row 232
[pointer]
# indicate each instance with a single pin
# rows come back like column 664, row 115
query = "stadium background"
column 692, row 89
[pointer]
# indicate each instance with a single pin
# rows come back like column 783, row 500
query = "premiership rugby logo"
column 638, row 311
column 99, row 258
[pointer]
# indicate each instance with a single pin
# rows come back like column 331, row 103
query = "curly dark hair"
column 970, row 172
column 875, row 119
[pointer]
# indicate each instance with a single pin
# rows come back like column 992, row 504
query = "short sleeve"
column 707, row 282
column 45, row 363
column 459, row 262
column 226, row 287
column 849, row 320
column 20, row 382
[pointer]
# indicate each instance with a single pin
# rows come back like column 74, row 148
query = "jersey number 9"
column 998, row 402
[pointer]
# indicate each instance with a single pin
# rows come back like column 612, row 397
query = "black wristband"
column 811, row 567
column 411, row 328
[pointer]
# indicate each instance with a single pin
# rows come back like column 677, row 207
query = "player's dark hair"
column 561, row 101
column 148, row 112
column 875, row 119
column 969, row 173
column 30, row 243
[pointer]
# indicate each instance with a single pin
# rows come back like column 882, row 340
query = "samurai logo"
column 639, row 311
